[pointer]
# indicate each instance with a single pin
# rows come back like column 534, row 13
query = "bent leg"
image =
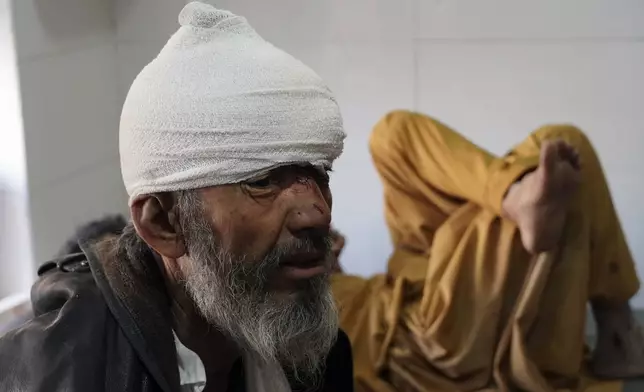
column 478, row 317
column 612, row 276
column 612, row 273
column 592, row 262
column 489, row 313
column 429, row 171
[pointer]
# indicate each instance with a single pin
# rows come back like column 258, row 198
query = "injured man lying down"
column 495, row 261
column 227, row 277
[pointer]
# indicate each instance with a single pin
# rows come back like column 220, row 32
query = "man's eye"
column 259, row 183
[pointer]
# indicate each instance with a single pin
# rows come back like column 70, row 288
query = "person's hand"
column 337, row 245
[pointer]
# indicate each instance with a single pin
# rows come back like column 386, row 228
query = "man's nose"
column 310, row 210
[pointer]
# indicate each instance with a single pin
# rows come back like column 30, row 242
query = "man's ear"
column 155, row 221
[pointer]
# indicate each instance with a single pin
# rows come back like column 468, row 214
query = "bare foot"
column 539, row 201
column 620, row 344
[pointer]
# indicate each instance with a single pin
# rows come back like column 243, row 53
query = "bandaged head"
column 220, row 105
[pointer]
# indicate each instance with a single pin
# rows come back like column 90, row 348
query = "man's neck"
column 217, row 352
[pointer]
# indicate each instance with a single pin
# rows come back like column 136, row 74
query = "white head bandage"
column 220, row 105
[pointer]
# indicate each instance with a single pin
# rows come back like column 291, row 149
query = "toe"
column 549, row 156
column 569, row 154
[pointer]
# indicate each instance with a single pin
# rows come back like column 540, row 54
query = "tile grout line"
column 528, row 40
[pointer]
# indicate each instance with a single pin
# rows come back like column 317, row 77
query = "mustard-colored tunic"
column 463, row 307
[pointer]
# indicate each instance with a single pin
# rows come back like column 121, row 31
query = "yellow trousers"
column 463, row 307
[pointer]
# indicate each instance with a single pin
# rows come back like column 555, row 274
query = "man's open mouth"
column 304, row 266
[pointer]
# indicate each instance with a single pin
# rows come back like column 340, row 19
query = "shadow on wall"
column 76, row 20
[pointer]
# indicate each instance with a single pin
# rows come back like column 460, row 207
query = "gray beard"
column 231, row 293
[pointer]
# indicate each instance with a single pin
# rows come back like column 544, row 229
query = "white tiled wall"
column 68, row 77
column 46, row 28
column 499, row 68
column 494, row 69
column 142, row 28
column 594, row 20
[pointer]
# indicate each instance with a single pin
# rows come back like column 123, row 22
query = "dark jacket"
column 103, row 324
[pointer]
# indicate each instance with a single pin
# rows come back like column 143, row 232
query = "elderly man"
column 220, row 283
column 495, row 261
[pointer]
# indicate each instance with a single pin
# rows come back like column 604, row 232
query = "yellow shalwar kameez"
column 463, row 307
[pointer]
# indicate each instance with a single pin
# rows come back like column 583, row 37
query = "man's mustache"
column 315, row 245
